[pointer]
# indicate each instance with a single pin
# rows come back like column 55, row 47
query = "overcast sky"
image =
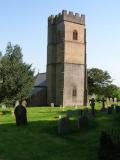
column 24, row 22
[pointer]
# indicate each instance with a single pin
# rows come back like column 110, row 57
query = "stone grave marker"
column 63, row 125
column 110, row 110
column 111, row 101
column 83, row 122
column 117, row 109
column 69, row 113
column 79, row 112
column 107, row 102
column 4, row 107
column 115, row 100
column 52, row 104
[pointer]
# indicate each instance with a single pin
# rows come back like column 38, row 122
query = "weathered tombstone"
column 4, row 107
column 117, row 109
column 79, row 112
column 111, row 101
column 108, row 102
column 85, row 112
column 92, row 104
column 103, row 103
column 63, row 125
column 69, row 113
column 83, row 122
column 115, row 101
column 52, row 104
column 110, row 110
column 20, row 115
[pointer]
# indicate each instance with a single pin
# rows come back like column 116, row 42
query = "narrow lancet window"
column 74, row 92
column 75, row 35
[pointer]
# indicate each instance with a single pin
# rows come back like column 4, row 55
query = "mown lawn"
column 39, row 139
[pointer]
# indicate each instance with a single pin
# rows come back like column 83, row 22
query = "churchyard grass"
column 39, row 139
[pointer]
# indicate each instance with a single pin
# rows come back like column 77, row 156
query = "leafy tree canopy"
column 98, row 80
column 16, row 76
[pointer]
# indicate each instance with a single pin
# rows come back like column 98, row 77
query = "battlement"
column 65, row 16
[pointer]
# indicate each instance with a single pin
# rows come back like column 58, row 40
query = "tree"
column 17, row 76
column 98, row 80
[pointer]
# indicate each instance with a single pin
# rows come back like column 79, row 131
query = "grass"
column 40, row 141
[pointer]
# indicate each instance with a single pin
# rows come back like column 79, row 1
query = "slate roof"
column 40, row 82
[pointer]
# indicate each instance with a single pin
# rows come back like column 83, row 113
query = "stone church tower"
column 66, row 60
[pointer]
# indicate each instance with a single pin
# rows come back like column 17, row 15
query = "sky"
column 24, row 22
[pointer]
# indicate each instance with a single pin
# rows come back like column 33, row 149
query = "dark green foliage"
column 17, row 76
column 97, row 80
column 100, row 83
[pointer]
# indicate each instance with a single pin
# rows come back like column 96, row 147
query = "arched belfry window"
column 75, row 35
column 74, row 92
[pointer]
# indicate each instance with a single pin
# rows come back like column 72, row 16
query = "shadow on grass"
column 39, row 140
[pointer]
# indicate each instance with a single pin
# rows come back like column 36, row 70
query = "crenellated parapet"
column 67, row 16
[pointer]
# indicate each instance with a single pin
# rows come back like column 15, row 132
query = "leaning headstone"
column 63, row 126
column 83, row 122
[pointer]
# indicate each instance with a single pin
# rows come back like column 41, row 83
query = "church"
column 65, row 80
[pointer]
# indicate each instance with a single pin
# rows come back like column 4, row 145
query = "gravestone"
column 20, row 115
column 83, row 122
column 52, row 104
column 117, row 109
column 69, row 113
column 63, row 126
column 4, row 107
column 103, row 103
column 110, row 110
column 108, row 102
column 86, row 112
column 92, row 104
column 79, row 112
column 115, row 100
column 111, row 101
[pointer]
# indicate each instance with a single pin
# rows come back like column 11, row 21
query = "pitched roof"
column 40, row 80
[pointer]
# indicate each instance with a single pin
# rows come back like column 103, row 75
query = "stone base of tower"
column 73, row 93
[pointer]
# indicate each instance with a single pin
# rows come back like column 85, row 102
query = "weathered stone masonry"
column 66, row 60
